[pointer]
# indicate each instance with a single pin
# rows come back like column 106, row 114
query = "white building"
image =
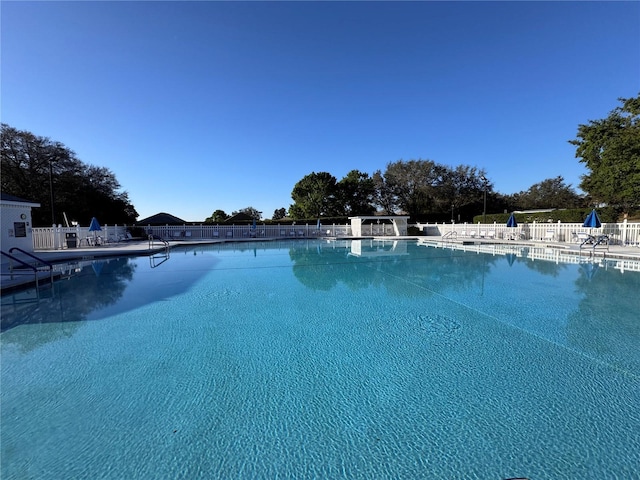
column 15, row 220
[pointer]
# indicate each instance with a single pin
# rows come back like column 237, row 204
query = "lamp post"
column 484, row 209
column 53, row 216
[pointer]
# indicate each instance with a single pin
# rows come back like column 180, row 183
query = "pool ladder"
column 39, row 267
column 450, row 236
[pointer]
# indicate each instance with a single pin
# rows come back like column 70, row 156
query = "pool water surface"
column 314, row 359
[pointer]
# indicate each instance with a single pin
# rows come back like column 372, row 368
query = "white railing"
column 53, row 238
column 623, row 233
column 61, row 237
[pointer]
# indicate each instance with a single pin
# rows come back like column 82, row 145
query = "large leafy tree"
column 462, row 190
column 314, row 196
column 279, row 213
column 38, row 169
column 219, row 216
column 354, row 194
column 610, row 149
column 251, row 211
column 550, row 193
column 383, row 196
column 415, row 185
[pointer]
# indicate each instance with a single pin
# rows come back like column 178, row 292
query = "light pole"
column 53, row 216
column 484, row 209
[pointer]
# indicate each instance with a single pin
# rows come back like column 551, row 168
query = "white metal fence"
column 624, row 233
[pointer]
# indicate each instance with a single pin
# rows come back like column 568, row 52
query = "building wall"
column 16, row 226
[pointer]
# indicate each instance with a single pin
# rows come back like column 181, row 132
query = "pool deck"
column 136, row 248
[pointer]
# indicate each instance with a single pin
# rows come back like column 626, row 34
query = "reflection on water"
column 92, row 285
column 591, row 306
column 228, row 356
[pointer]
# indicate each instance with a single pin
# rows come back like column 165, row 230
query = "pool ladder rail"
column 37, row 267
column 450, row 236
column 592, row 242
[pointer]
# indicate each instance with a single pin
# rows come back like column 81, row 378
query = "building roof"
column 5, row 197
column 161, row 218
column 239, row 217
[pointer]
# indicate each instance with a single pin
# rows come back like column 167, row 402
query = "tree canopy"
column 40, row 170
column 314, row 196
column 610, row 149
column 550, row 193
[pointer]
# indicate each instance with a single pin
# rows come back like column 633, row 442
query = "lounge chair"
column 483, row 233
column 472, row 234
column 492, row 234
column 550, row 236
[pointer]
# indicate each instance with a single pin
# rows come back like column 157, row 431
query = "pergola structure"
column 399, row 223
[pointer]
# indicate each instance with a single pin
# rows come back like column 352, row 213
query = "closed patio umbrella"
column 94, row 227
column 592, row 220
column 511, row 223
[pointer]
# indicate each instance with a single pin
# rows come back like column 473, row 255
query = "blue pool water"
column 324, row 360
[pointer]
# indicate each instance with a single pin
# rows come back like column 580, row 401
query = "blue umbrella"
column 592, row 220
column 97, row 267
column 94, row 226
column 512, row 221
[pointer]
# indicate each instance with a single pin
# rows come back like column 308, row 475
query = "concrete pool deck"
column 21, row 278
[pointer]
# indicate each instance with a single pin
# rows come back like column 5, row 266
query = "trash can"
column 72, row 240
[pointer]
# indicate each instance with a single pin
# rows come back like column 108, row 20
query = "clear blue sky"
column 198, row 106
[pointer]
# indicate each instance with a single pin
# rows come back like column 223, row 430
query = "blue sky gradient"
column 198, row 106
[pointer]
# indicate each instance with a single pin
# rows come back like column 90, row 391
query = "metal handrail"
column 153, row 237
column 27, row 265
column 451, row 234
column 44, row 262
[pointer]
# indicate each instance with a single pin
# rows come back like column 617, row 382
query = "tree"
column 314, row 196
column 462, row 191
column 550, row 193
column 219, row 216
column 40, row 170
column 252, row 212
column 354, row 194
column 610, row 149
column 279, row 214
column 414, row 184
column 383, row 195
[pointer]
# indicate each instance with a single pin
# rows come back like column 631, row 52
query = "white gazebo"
column 399, row 223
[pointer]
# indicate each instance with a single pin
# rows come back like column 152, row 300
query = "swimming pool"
column 314, row 359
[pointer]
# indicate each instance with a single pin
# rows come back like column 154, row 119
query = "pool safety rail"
column 592, row 242
column 156, row 238
column 21, row 266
